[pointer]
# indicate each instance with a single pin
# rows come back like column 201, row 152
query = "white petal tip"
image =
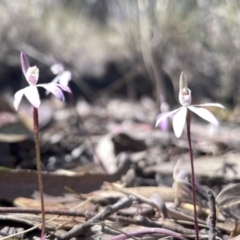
column 15, row 107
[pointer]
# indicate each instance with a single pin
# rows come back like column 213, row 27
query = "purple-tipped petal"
column 179, row 121
column 161, row 117
column 56, row 79
column 64, row 78
column 32, row 95
column 164, row 123
column 18, row 97
column 24, row 62
column 209, row 105
column 64, row 88
column 54, row 89
column 205, row 114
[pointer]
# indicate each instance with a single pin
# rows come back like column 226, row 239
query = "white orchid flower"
column 180, row 115
column 31, row 92
column 63, row 77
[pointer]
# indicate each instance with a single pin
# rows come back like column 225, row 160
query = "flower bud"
column 32, row 75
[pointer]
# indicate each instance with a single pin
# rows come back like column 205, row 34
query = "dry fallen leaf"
column 228, row 200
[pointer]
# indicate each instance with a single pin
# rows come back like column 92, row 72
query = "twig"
column 139, row 197
column 146, row 222
column 139, row 220
column 212, row 216
column 159, row 202
column 147, row 231
column 63, row 212
column 27, row 230
column 107, row 211
column 39, row 211
column 118, row 230
column 170, row 212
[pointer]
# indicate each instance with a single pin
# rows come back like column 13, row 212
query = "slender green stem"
column 193, row 174
column 39, row 167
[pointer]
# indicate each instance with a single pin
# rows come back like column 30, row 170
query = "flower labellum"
column 185, row 97
column 32, row 75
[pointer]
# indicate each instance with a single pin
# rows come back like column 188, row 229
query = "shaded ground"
column 133, row 154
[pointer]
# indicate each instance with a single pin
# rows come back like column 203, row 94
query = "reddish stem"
column 39, row 167
column 193, row 175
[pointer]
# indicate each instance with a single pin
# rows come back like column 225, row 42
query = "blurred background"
column 126, row 48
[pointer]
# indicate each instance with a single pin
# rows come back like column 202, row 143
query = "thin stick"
column 39, row 167
column 18, row 210
column 193, row 175
column 125, row 202
column 212, row 216
column 139, row 197
column 148, row 231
